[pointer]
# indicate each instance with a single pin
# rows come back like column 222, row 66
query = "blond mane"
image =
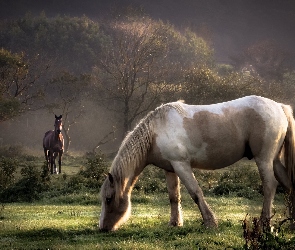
column 134, row 148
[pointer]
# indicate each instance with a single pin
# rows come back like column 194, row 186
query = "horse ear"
column 55, row 116
column 111, row 178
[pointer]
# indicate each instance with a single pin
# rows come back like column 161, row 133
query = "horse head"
column 115, row 208
column 58, row 124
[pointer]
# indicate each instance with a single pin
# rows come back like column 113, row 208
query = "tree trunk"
column 67, row 140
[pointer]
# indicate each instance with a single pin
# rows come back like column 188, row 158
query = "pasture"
column 66, row 215
column 55, row 225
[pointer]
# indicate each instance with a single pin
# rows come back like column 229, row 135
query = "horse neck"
column 58, row 139
column 126, row 180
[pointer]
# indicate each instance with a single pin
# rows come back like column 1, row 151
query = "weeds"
column 259, row 235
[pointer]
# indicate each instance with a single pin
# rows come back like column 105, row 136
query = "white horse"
column 178, row 137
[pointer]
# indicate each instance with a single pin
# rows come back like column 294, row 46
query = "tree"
column 67, row 93
column 18, row 84
column 266, row 57
column 70, row 43
column 203, row 85
column 143, row 57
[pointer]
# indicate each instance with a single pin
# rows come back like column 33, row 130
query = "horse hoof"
column 211, row 224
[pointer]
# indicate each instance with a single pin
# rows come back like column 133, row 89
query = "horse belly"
column 217, row 157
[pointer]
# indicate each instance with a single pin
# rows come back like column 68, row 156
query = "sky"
column 231, row 25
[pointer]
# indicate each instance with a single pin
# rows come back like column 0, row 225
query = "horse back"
column 215, row 136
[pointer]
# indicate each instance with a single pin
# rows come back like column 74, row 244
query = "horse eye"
column 108, row 200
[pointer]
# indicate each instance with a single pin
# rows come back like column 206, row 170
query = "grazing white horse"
column 178, row 137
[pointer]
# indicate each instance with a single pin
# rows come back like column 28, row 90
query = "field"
column 59, row 220
column 40, row 225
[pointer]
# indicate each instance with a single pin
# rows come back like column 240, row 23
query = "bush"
column 12, row 151
column 96, row 168
column 258, row 235
column 7, row 171
column 152, row 180
column 242, row 181
column 28, row 188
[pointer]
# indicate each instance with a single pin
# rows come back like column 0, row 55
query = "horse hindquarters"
column 289, row 158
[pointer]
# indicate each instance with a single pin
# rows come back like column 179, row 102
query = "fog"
column 229, row 25
column 232, row 25
column 28, row 130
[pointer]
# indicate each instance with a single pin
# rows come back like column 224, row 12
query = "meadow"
column 66, row 214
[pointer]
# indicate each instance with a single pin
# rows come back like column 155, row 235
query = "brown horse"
column 53, row 144
column 178, row 137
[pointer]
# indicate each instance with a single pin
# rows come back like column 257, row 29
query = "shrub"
column 151, row 180
column 7, row 171
column 242, row 181
column 28, row 188
column 95, row 169
column 12, row 151
column 259, row 235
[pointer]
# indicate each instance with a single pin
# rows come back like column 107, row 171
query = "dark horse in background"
column 53, row 145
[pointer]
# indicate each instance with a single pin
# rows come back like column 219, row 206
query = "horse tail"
column 289, row 144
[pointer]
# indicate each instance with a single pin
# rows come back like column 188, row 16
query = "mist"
column 230, row 26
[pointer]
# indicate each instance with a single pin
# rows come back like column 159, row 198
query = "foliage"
column 141, row 59
column 63, row 39
column 87, row 181
column 152, row 180
column 12, row 151
column 7, row 172
column 66, row 94
column 18, row 89
column 204, row 85
column 266, row 58
column 26, row 189
column 242, row 181
column 259, row 235
column 96, row 168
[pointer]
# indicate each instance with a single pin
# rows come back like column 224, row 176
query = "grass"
column 53, row 225
column 67, row 215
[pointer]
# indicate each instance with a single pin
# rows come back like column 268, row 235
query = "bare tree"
column 136, row 56
column 66, row 95
column 266, row 57
column 20, row 87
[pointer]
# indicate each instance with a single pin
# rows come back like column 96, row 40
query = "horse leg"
column 173, row 186
column 54, row 157
column 282, row 177
column 46, row 156
column 184, row 172
column 46, row 153
column 59, row 162
column 51, row 161
column 269, row 184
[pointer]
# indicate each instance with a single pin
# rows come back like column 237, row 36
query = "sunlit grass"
column 48, row 226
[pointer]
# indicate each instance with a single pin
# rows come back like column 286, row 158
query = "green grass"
column 53, row 225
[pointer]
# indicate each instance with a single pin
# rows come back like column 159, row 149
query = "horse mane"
column 135, row 146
